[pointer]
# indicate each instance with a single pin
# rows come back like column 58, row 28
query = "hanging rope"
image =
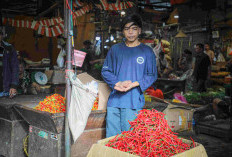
column 69, row 6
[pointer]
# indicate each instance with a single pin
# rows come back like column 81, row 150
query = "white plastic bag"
column 82, row 99
column 60, row 58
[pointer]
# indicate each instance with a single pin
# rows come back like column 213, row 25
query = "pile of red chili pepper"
column 149, row 136
column 53, row 104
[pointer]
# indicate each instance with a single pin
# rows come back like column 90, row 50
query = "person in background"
column 24, row 79
column 163, row 66
column 209, row 52
column 129, row 69
column 200, row 71
column 185, row 61
column 89, row 55
column 9, row 69
column 211, row 55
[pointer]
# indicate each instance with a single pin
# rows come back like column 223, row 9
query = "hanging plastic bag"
column 82, row 100
column 180, row 97
column 60, row 58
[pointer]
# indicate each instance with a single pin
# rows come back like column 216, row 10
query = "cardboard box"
column 100, row 150
column 56, row 76
column 103, row 89
column 179, row 118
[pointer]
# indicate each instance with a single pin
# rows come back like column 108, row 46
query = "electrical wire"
column 25, row 145
column 170, row 91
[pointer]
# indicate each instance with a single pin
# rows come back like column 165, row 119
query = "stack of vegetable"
column 149, row 136
column 219, row 74
column 53, row 104
column 204, row 97
column 95, row 104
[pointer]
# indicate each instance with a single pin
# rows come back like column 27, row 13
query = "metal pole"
column 68, row 85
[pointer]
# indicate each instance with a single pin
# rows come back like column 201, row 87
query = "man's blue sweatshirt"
column 129, row 63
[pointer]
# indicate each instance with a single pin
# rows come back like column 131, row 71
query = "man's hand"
column 125, row 86
column 119, row 86
column 12, row 92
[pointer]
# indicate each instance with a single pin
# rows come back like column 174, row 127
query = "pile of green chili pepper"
column 149, row 136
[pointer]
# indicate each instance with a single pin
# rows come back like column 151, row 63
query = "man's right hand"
column 122, row 86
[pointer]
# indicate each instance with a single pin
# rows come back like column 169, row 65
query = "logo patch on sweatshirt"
column 140, row 60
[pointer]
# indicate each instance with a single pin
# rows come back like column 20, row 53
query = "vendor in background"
column 211, row 55
column 185, row 61
column 129, row 69
column 24, row 79
column 9, row 69
column 89, row 55
column 200, row 72
column 209, row 52
column 164, row 68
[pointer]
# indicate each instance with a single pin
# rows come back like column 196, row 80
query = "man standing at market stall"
column 9, row 69
column 209, row 52
column 129, row 69
column 211, row 55
column 89, row 55
column 200, row 72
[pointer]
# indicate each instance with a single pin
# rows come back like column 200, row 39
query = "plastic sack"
column 155, row 92
column 60, row 58
column 186, row 75
column 180, row 97
column 82, row 100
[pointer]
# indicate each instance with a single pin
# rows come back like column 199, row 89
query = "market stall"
column 50, row 40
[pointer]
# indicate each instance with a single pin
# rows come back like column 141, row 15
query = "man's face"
column 206, row 47
column 198, row 49
column 131, row 32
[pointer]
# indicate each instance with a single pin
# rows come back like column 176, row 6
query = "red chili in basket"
column 149, row 136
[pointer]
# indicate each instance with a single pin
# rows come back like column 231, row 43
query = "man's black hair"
column 87, row 42
column 200, row 45
column 135, row 18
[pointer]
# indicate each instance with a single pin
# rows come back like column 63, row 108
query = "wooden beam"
column 156, row 6
column 54, row 6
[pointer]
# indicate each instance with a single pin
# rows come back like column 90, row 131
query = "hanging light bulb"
column 123, row 13
column 98, row 38
column 176, row 16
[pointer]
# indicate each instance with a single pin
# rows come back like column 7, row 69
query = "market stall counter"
column 44, row 131
column 12, row 131
column 13, row 128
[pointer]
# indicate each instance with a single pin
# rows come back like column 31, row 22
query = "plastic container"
column 78, row 58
